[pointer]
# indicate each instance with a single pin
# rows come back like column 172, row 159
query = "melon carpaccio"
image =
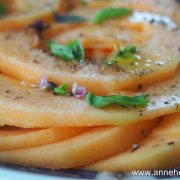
column 160, row 150
column 157, row 63
column 82, row 149
column 30, row 107
column 16, row 138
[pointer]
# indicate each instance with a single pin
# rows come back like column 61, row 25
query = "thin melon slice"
column 99, row 41
column 159, row 151
column 31, row 107
column 22, row 13
column 23, row 138
column 163, row 8
column 26, row 6
column 87, row 148
column 21, row 21
column 158, row 63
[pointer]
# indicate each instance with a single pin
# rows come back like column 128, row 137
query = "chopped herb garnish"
column 73, row 51
column 77, row 50
column 103, row 101
column 61, row 51
column 68, row 18
column 62, row 90
column 110, row 13
column 2, row 9
column 126, row 52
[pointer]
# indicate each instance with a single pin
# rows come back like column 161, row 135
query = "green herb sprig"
column 74, row 51
column 103, row 101
column 2, row 9
column 62, row 90
column 111, row 13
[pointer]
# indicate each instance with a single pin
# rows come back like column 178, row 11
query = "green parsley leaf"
column 103, row 101
column 61, row 51
column 77, row 50
column 62, row 90
column 110, row 13
column 2, row 9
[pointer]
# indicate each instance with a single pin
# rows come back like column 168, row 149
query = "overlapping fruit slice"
column 87, row 148
column 29, row 107
column 164, row 8
column 21, row 14
column 159, row 151
column 153, row 63
column 16, row 138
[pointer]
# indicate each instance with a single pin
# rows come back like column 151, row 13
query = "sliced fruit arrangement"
column 159, row 151
column 17, row 138
column 87, row 148
column 150, row 63
column 90, row 84
column 31, row 108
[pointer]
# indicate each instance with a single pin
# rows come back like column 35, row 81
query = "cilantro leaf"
column 103, row 101
column 62, row 90
column 110, row 13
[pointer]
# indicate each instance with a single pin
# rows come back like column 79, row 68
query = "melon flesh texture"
column 23, row 13
column 159, row 151
column 31, row 64
column 162, row 7
column 11, row 139
column 87, row 148
column 99, row 41
column 31, row 107
column 26, row 6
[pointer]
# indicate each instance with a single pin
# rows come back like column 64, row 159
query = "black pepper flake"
column 177, row 106
column 35, row 61
column 7, row 91
column 166, row 102
column 143, row 132
column 139, row 87
column 140, row 113
column 171, row 143
column 134, row 147
column 18, row 98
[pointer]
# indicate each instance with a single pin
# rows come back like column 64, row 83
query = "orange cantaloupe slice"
column 31, row 107
column 26, row 6
column 99, row 41
column 31, row 64
column 159, row 151
column 164, row 8
column 87, row 148
column 15, row 138
column 23, row 13
column 20, row 21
